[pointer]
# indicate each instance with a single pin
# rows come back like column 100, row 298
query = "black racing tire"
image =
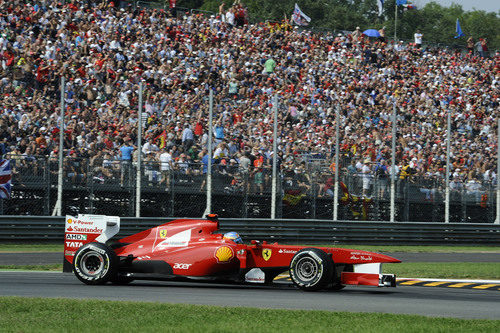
column 311, row 269
column 95, row 263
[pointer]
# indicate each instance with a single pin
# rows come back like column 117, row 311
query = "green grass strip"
column 65, row 315
column 445, row 270
column 48, row 267
column 24, row 247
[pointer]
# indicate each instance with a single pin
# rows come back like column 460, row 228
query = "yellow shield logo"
column 163, row 233
column 266, row 254
column 224, row 254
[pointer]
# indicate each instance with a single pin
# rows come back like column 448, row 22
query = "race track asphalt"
column 57, row 257
column 437, row 302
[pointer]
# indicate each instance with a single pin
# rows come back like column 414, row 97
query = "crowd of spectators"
column 104, row 51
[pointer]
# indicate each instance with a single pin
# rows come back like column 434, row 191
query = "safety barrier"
column 46, row 228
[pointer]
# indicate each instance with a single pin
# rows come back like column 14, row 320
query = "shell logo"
column 224, row 254
column 70, row 221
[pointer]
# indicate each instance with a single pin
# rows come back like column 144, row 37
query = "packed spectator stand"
column 103, row 51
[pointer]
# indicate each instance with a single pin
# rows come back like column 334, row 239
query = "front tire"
column 311, row 269
column 95, row 263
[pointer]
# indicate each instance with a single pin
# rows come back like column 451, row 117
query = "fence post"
column 58, row 207
column 139, row 152
column 447, row 180
column 171, row 175
column 393, row 164
column 245, row 194
column 90, row 185
column 208, row 207
column 275, row 152
column 337, row 153
column 313, row 192
column 46, row 208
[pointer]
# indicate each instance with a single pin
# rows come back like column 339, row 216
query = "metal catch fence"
column 104, row 185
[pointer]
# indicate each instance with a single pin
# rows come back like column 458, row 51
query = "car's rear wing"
column 84, row 229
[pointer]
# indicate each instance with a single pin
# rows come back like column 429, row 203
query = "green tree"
column 436, row 22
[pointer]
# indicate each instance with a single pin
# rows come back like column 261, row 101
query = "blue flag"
column 459, row 30
column 401, row 2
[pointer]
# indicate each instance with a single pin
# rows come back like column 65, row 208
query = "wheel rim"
column 92, row 263
column 307, row 269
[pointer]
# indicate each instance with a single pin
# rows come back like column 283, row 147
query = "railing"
column 106, row 186
column 39, row 229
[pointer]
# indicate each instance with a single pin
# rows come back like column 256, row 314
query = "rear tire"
column 311, row 269
column 95, row 263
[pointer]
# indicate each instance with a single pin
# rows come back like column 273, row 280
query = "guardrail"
column 47, row 228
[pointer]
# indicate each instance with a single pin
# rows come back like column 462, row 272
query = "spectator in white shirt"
column 150, row 147
column 418, row 39
column 165, row 167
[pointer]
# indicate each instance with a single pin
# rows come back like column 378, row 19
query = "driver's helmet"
column 234, row 236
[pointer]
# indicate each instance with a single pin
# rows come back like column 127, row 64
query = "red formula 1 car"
column 192, row 249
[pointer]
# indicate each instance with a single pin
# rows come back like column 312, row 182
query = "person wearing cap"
column 356, row 35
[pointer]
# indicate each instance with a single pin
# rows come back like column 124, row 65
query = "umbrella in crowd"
column 371, row 33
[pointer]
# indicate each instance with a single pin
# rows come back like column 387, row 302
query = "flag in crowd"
column 405, row 3
column 380, row 4
column 5, row 179
column 458, row 30
column 299, row 18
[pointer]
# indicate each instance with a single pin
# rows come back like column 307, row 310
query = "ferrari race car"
column 194, row 250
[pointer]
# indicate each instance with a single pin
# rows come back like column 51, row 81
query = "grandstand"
column 104, row 51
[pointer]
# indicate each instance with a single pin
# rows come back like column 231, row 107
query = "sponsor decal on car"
column 98, row 250
column 181, row 266
column 69, row 253
column 224, row 254
column 180, row 239
column 286, row 251
column 255, row 275
column 361, row 257
column 74, row 244
column 163, row 233
column 76, row 237
column 83, row 222
column 94, row 230
column 266, row 254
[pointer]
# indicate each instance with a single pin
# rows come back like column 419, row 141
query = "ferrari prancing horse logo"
column 163, row 233
column 266, row 254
